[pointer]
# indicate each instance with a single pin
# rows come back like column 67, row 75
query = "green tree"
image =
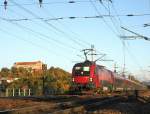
column 5, row 72
column 57, row 79
column 14, row 71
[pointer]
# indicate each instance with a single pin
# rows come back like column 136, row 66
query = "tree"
column 5, row 72
column 14, row 71
column 57, row 79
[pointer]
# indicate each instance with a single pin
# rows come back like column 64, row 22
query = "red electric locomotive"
column 88, row 74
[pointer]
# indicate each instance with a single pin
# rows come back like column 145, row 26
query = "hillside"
column 50, row 81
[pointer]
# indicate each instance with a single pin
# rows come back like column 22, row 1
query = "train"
column 89, row 75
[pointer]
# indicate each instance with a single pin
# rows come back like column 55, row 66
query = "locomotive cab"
column 82, row 74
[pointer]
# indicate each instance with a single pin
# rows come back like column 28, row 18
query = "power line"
column 50, row 19
column 32, row 20
column 114, row 23
column 102, row 18
column 68, row 28
column 134, row 15
column 41, row 34
column 124, row 46
column 111, row 18
column 51, row 3
column 131, row 55
column 129, row 15
column 33, row 43
column 121, row 32
column 40, row 25
column 71, row 17
column 38, row 34
column 50, row 25
column 129, row 52
column 97, row 11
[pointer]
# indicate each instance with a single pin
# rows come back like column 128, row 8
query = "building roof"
column 27, row 63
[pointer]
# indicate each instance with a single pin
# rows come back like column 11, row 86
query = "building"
column 34, row 66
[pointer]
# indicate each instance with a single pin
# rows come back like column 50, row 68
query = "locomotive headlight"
column 91, row 79
column 73, row 79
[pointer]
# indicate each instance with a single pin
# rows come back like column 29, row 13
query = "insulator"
column 5, row 4
column 100, row 1
column 71, row 2
column 72, row 17
column 130, row 15
column 40, row 2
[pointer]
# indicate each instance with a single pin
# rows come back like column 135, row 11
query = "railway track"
column 83, row 105
column 75, row 103
column 67, row 107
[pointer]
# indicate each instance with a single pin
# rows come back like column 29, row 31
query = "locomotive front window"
column 82, row 71
column 77, row 68
column 86, row 69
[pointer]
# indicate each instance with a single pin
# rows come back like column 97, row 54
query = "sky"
column 31, row 33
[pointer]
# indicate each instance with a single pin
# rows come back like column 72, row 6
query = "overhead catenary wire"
column 129, row 15
column 52, row 2
column 77, row 36
column 33, row 20
column 72, row 17
column 123, row 42
column 26, row 19
column 117, row 27
column 111, row 18
column 96, row 9
column 125, row 48
column 47, row 37
column 38, row 34
column 23, row 16
column 49, row 24
column 14, row 36
column 120, row 21
column 98, row 12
